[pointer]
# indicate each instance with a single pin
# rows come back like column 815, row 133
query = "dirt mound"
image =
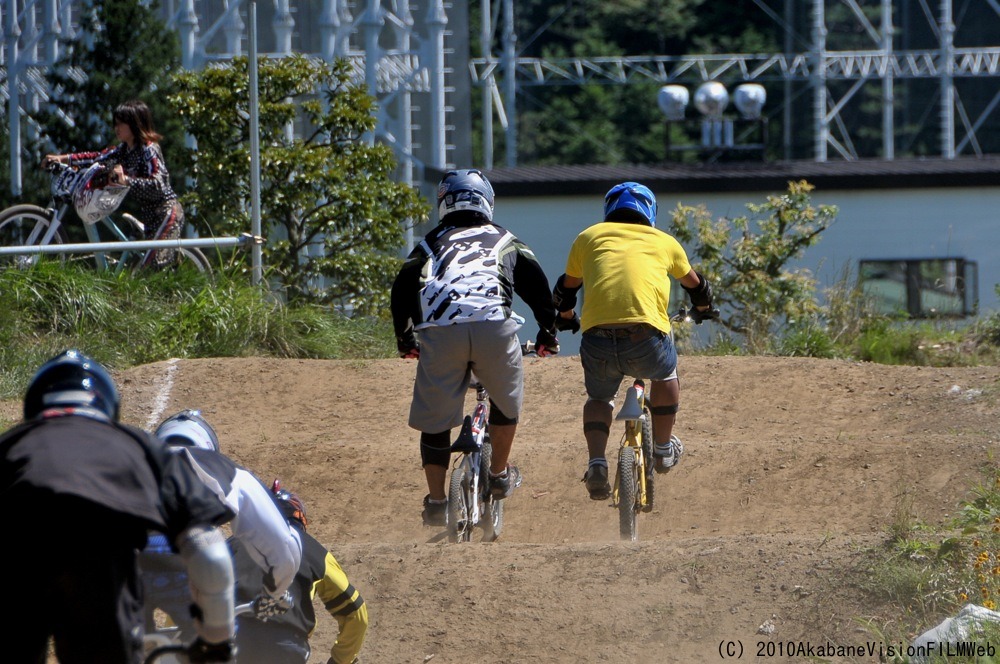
column 793, row 468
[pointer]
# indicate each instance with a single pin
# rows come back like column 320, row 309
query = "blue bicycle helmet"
column 465, row 190
column 631, row 196
column 71, row 380
column 188, row 428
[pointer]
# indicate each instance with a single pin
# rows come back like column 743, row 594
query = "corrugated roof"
column 749, row 176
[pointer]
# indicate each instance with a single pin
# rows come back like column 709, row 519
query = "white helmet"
column 465, row 190
column 94, row 197
column 188, row 428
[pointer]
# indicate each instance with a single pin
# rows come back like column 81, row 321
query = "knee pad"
column 435, row 448
column 497, row 416
column 664, row 410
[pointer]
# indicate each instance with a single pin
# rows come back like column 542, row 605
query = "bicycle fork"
column 633, row 416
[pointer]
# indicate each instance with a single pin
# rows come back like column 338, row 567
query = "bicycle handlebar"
column 685, row 315
column 178, row 648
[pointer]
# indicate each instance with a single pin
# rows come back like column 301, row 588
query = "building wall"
column 910, row 223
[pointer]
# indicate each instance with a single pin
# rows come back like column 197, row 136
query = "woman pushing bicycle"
column 624, row 263
column 137, row 161
column 456, row 290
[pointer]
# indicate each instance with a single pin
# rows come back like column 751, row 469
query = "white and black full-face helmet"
column 188, row 428
column 466, row 191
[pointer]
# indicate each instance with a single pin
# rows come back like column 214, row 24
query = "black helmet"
column 71, row 380
column 289, row 504
column 189, row 428
column 465, row 190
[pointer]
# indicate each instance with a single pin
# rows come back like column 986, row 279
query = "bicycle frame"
column 469, row 503
column 634, row 414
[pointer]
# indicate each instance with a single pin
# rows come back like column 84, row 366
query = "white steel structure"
column 815, row 64
column 414, row 57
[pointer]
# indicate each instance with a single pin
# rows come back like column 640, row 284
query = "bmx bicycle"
column 165, row 646
column 470, row 503
column 634, row 487
column 95, row 201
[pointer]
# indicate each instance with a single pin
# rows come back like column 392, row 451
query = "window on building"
column 921, row 288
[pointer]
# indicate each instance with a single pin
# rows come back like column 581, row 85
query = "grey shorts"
column 448, row 355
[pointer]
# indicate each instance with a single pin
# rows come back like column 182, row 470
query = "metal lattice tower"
column 500, row 71
column 414, row 54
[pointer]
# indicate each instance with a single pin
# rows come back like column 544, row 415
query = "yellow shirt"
column 624, row 268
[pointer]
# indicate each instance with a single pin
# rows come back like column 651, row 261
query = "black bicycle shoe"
column 501, row 486
column 596, row 479
column 435, row 514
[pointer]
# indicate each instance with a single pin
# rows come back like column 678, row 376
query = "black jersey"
column 116, row 467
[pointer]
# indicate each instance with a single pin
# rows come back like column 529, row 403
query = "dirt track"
column 794, row 467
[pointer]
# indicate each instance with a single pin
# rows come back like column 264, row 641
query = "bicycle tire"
column 459, row 507
column 628, row 486
column 196, row 258
column 647, row 458
column 185, row 258
column 14, row 232
column 492, row 509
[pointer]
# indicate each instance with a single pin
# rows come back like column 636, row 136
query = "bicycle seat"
column 631, row 409
column 466, row 442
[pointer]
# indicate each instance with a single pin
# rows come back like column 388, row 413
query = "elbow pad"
column 563, row 297
column 701, row 295
column 210, row 572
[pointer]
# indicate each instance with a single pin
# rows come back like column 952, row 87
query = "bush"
column 121, row 321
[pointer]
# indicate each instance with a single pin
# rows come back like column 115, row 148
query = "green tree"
column 121, row 51
column 334, row 213
column 746, row 260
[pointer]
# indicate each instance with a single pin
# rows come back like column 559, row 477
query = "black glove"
column 546, row 343
column 568, row 324
column 407, row 346
column 201, row 651
column 701, row 295
column 707, row 314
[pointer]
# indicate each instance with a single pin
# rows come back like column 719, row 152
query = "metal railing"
column 244, row 240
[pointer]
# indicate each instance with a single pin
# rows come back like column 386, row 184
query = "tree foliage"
column 121, row 51
column 747, row 260
column 334, row 216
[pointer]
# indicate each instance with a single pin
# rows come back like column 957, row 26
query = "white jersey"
column 461, row 281
column 259, row 524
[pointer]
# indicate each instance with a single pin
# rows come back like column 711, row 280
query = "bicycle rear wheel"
column 628, row 488
column 195, row 258
column 492, row 509
column 459, row 503
column 27, row 225
column 647, row 458
column 185, row 258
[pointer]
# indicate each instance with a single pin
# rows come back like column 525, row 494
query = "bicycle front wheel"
column 28, row 225
column 628, row 487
